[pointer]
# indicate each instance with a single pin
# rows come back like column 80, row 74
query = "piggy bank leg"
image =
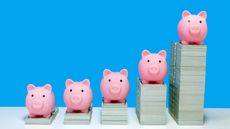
column 32, row 116
column 184, row 42
column 85, row 110
column 47, row 116
column 199, row 43
column 69, row 110
column 159, row 82
column 144, row 82
column 107, row 100
column 122, row 101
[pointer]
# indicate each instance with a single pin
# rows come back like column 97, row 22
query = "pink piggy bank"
column 153, row 67
column 40, row 101
column 78, row 96
column 192, row 29
column 115, row 86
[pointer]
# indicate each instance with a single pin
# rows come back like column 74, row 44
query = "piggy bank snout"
column 114, row 89
column 195, row 29
column 154, row 69
column 37, row 104
column 76, row 99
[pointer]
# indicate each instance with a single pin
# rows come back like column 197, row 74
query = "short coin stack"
column 151, row 103
column 114, row 114
column 187, row 83
column 78, row 118
column 40, row 120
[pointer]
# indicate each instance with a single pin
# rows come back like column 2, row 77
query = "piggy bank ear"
column 48, row 87
column 185, row 13
column 162, row 53
column 86, row 82
column 106, row 72
column 69, row 82
column 124, row 72
column 30, row 87
column 203, row 14
column 145, row 53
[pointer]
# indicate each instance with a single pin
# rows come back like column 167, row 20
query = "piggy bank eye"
column 32, row 95
column 188, row 21
column 148, row 60
column 82, row 90
column 200, row 21
column 109, row 80
column 70, row 90
column 43, row 96
column 159, row 61
column 121, row 80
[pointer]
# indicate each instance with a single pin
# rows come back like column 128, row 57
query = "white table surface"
column 13, row 118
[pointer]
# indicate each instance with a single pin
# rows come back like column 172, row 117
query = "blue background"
column 49, row 41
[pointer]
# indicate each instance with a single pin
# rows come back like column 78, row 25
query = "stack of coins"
column 151, row 103
column 172, row 78
column 114, row 114
column 78, row 118
column 41, row 120
column 187, row 83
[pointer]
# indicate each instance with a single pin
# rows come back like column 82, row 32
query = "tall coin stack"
column 187, row 83
column 151, row 103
